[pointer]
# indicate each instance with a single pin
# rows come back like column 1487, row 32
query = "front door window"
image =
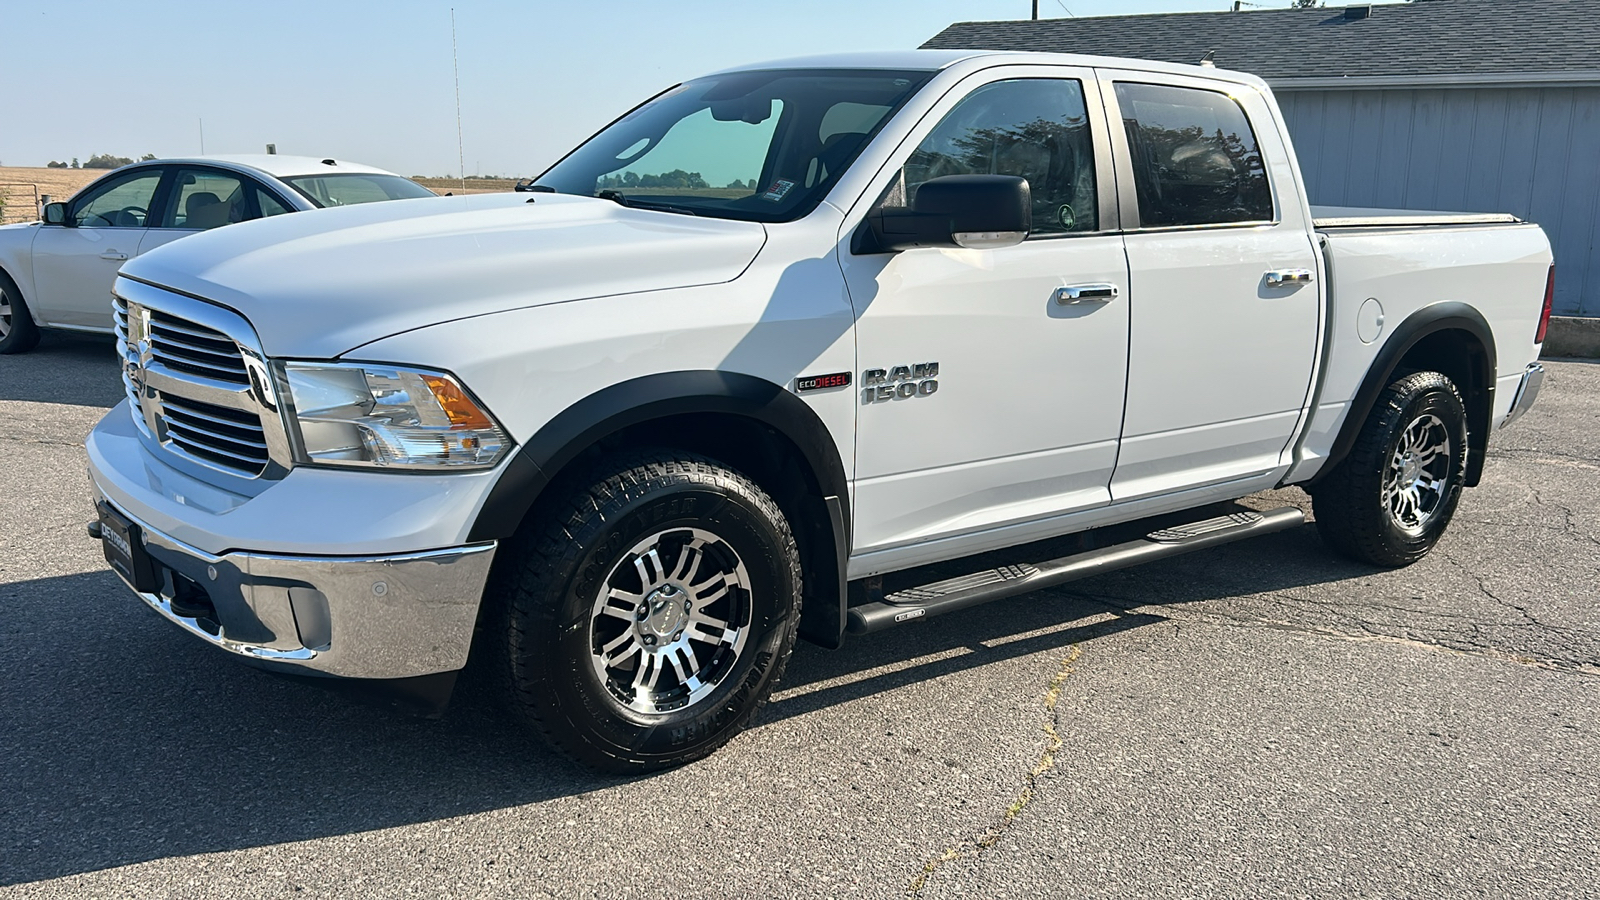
column 119, row 203
column 1035, row 128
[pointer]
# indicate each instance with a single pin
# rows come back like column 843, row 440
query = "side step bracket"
column 952, row 594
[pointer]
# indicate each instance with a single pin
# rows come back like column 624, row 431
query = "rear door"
column 74, row 265
column 1223, row 297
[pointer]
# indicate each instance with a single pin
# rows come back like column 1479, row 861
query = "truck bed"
column 1358, row 217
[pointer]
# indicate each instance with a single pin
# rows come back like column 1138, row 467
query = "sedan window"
column 348, row 190
column 122, row 202
column 206, row 198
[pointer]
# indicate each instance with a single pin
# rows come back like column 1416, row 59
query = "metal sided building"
column 1462, row 105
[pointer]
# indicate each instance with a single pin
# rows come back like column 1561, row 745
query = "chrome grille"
column 129, row 358
column 197, row 382
column 195, row 349
column 217, row 434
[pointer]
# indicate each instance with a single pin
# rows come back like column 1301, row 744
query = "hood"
column 318, row 284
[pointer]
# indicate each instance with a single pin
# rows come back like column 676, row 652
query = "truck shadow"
column 74, row 369
column 126, row 742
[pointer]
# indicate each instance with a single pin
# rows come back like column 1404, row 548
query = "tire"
column 1389, row 501
column 18, row 334
column 712, row 561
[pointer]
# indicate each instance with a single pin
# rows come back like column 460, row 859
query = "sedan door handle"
column 1076, row 294
column 112, row 254
column 1285, row 277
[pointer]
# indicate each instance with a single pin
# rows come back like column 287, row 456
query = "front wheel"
column 1389, row 501
column 641, row 622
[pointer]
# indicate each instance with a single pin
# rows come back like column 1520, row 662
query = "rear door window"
column 1195, row 159
column 207, row 198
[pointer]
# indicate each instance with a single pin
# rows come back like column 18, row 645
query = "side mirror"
column 977, row 212
column 55, row 214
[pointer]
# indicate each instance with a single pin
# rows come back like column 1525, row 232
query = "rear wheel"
column 18, row 334
column 643, row 624
column 1389, row 501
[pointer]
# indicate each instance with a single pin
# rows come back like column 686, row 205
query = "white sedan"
column 57, row 273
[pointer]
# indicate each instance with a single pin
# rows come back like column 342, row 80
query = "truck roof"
column 936, row 60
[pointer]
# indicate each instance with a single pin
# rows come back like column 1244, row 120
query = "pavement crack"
column 977, row 844
column 1569, row 527
column 1368, row 635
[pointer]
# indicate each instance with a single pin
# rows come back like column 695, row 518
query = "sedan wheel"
column 18, row 334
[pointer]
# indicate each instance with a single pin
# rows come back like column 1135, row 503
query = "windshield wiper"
column 617, row 197
column 636, row 203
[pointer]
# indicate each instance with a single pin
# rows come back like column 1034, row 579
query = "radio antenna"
column 455, row 61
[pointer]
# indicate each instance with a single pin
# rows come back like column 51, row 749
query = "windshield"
column 764, row 146
column 356, row 187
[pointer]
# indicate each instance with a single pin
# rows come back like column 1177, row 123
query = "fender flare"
column 1431, row 319
column 618, row 406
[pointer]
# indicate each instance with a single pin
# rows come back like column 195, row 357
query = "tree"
column 147, row 157
column 52, row 164
column 106, row 161
column 75, row 162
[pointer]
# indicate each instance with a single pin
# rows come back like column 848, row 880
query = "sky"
column 372, row 82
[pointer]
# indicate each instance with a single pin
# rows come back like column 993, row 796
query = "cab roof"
column 938, row 60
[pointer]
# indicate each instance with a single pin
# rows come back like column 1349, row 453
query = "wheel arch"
column 1451, row 338
column 758, row 427
column 7, row 271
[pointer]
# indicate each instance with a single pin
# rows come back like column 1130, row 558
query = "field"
column 16, row 198
column 474, row 185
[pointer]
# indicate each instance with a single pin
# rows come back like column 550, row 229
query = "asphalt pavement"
column 1258, row 720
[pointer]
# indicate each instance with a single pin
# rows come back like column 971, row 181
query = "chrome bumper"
column 355, row 617
column 1527, row 392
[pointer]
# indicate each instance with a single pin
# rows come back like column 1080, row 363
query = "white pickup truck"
column 736, row 367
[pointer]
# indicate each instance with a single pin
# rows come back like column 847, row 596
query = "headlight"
column 376, row 415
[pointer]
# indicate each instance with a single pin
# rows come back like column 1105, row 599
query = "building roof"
column 1422, row 38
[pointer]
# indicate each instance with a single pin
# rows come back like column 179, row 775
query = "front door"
column 1223, row 295
column 74, row 265
column 986, row 397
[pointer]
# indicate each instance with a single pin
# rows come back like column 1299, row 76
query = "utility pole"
column 1036, row 10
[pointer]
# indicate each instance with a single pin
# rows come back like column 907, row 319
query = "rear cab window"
column 1194, row 156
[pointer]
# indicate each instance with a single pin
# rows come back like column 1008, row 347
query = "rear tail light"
column 1549, row 299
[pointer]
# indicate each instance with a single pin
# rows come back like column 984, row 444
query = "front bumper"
column 355, row 617
column 319, row 573
column 1527, row 392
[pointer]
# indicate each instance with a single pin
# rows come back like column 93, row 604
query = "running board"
column 952, row 594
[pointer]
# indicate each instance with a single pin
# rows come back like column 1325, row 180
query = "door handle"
column 1285, row 277
column 112, row 254
column 1076, row 294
